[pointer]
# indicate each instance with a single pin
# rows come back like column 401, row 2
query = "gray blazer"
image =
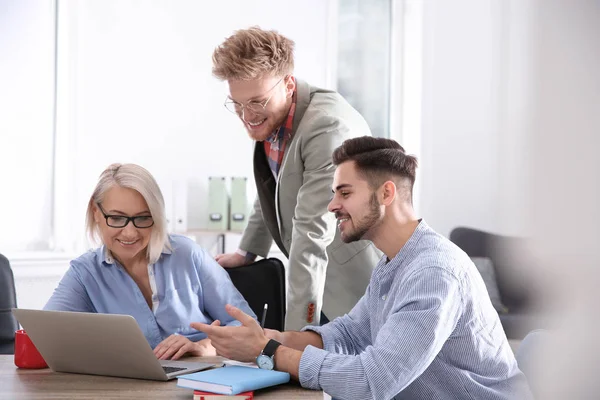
column 324, row 273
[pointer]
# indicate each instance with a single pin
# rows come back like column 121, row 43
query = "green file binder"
column 218, row 203
column 238, row 216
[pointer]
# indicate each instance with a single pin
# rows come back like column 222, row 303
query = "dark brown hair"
column 378, row 160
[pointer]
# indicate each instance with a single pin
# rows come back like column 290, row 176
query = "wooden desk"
column 16, row 383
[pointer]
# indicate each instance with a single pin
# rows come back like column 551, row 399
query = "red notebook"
column 198, row 395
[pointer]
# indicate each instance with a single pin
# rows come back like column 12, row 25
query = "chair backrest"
column 263, row 282
column 8, row 300
column 508, row 263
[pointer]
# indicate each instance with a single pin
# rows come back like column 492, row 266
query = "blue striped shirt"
column 187, row 286
column 425, row 329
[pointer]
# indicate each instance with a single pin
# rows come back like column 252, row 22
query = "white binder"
column 180, row 203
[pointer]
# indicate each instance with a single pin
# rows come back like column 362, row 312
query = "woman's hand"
column 204, row 349
column 176, row 346
column 274, row 334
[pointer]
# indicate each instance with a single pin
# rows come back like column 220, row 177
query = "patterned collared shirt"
column 425, row 329
column 276, row 143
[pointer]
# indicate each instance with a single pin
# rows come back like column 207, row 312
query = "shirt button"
column 383, row 297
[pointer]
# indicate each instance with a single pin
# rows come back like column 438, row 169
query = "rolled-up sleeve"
column 422, row 319
column 348, row 334
column 310, row 365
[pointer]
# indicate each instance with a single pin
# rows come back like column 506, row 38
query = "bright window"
column 27, row 59
column 363, row 64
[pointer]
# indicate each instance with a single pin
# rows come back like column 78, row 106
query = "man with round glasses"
column 296, row 128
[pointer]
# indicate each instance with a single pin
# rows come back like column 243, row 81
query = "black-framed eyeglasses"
column 256, row 107
column 121, row 221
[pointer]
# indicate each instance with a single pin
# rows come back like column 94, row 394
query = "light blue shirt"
column 425, row 329
column 187, row 286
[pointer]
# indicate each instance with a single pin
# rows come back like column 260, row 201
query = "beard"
column 273, row 122
column 264, row 132
column 363, row 225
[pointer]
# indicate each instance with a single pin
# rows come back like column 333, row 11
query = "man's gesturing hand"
column 241, row 343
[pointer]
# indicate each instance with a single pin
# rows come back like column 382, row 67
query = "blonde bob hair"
column 134, row 177
column 253, row 53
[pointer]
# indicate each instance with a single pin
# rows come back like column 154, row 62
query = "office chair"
column 263, row 282
column 518, row 291
column 8, row 300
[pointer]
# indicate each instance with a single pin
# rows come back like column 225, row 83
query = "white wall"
column 36, row 277
column 474, row 95
column 141, row 89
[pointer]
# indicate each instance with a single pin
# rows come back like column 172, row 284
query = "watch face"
column 264, row 362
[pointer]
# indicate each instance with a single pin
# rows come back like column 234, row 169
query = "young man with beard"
column 296, row 128
column 425, row 328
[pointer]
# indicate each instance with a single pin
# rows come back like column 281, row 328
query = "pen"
column 264, row 316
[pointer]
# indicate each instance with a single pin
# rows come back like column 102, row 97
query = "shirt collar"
column 107, row 257
column 280, row 131
column 276, row 135
column 406, row 252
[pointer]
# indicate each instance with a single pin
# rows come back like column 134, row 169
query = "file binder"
column 218, row 204
column 180, row 207
column 238, row 216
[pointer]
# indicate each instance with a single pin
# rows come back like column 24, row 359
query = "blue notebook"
column 232, row 380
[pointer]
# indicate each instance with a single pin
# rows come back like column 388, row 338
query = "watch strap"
column 271, row 347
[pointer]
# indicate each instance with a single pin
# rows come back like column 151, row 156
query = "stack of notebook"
column 232, row 380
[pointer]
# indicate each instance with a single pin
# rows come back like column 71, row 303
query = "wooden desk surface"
column 16, row 383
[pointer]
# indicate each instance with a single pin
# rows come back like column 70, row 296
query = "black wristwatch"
column 265, row 358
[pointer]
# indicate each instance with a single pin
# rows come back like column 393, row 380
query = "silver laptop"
column 98, row 344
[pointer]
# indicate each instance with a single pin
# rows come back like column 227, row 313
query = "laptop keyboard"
column 169, row 370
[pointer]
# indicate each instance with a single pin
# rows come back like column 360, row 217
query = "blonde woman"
column 164, row 281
